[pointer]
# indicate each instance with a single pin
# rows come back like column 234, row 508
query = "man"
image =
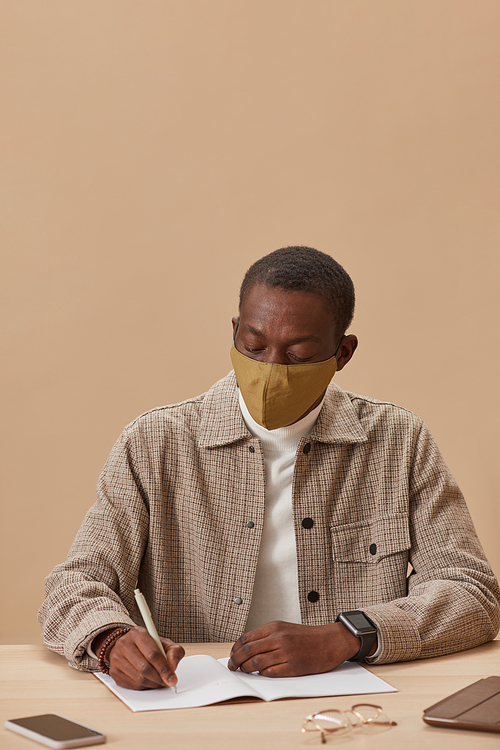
column 276, row 511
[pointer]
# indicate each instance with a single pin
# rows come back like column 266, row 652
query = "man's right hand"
column 137, row 663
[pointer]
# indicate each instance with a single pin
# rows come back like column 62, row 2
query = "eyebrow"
column 298, row 340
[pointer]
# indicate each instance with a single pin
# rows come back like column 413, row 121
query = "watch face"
column 359, row 621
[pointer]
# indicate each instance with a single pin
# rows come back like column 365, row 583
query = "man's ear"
column 235, row 322
column 347, row 349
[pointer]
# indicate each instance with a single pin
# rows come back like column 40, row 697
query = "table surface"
column 36, row 681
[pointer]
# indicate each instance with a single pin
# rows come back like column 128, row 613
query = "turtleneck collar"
column 283, row 438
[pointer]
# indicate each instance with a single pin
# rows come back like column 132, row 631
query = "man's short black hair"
column 308, row 270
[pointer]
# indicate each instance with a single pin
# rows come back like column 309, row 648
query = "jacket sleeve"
column 93, row 590
column 453, row 595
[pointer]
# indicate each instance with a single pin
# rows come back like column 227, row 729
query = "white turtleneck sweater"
column 276, row 590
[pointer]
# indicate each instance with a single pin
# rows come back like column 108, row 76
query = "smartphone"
column 55, row 731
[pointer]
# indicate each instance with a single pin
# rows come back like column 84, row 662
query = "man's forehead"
column 245, row 326
column 304, row 315
column 263, row 296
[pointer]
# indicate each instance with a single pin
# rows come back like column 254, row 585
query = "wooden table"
column 35, row 680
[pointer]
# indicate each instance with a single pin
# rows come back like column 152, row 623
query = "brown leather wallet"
column 475, row 707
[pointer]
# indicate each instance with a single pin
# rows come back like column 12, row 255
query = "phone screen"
column 55, row 727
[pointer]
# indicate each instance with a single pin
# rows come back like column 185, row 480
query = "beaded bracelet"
column 112, row 637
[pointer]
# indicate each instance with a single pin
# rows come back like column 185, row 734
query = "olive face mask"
column 278, row 395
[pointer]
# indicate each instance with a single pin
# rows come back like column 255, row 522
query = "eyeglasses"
column 335, row 722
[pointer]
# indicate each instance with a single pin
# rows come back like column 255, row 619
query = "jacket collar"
column 222, row 423
column 338, row 421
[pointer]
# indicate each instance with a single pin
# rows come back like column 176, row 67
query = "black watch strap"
column 363, row 628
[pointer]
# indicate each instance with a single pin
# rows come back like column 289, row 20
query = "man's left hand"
column 286, row 649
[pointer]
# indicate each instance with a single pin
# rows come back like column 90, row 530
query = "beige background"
column 151, row 151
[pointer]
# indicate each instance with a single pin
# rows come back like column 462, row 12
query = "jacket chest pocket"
column 370, row 561
column 371, row 541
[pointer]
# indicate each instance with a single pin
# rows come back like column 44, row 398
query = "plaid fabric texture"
column 180, row 485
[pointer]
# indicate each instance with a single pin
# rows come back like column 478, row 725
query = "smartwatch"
column 359, row 625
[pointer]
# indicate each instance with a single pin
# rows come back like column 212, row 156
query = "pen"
column 148, row 621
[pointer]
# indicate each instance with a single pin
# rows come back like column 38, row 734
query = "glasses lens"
column 331, row 721
column 368, row 712
column 372, row 714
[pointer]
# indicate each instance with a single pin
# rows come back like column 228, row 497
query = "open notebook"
column 203, row 681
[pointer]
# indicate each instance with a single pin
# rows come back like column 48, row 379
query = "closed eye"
column 299, row 360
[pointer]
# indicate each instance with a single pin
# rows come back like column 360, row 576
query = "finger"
column 250, row 650
column 173, row 651
column 131, row 664
column 128, row 678
column 257, row 634
column 163, row 666
column 261, row 662
column 280, row 670
column 270, row 629
column 138, row 656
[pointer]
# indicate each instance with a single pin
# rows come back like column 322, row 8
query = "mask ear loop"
column 338, row 347
column 235, row 332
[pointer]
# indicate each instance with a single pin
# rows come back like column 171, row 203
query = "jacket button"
column 306, row 448
column 250, row 524
column 373, row 549
column 307, row 523
column 251, row 449
column 313, row 596
column 238, row 600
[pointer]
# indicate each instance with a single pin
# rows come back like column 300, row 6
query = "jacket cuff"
column 76, row 648
column 399, row 639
